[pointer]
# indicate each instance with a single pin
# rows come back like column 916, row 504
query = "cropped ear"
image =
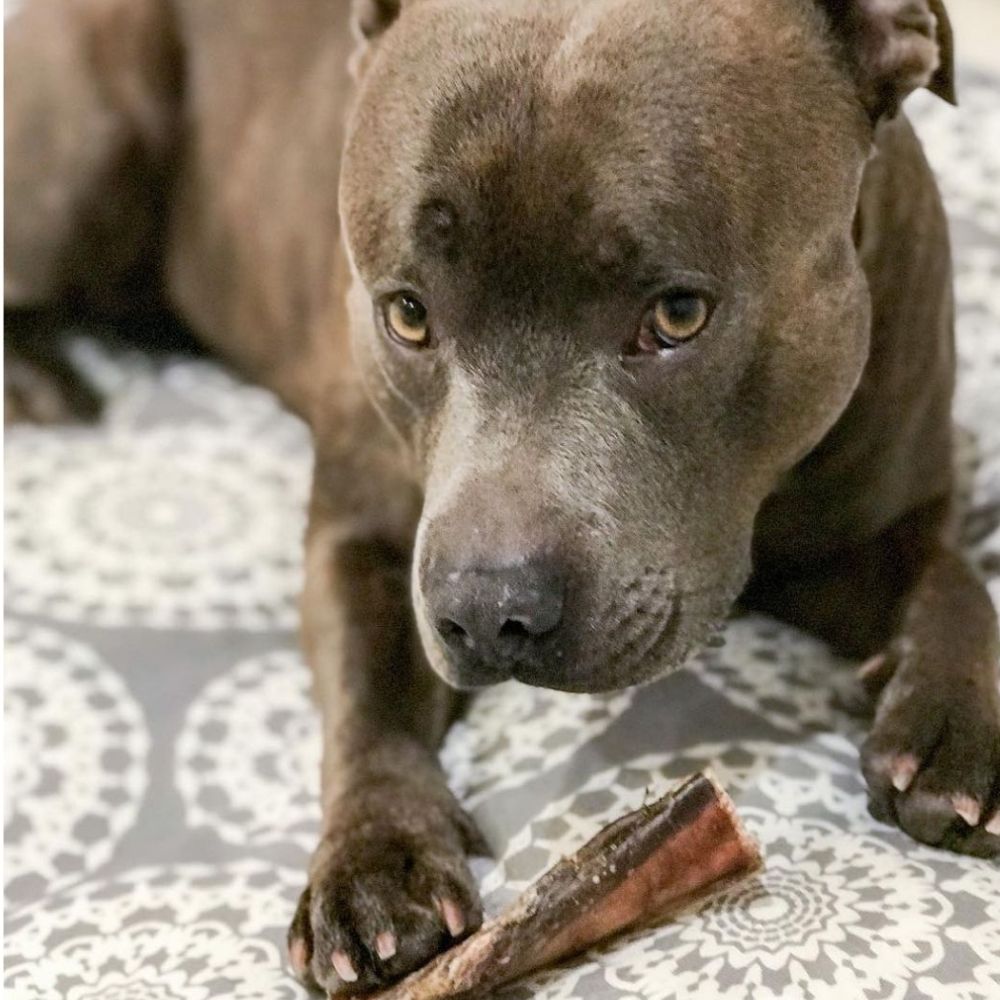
column 893, row 47
column 372, row 17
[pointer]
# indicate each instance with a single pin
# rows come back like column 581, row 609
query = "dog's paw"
column 932, row 763
column 382, row 901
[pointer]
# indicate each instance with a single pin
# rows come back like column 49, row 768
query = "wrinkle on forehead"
column 550, row 191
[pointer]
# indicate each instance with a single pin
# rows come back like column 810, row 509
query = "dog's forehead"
column 554, row 132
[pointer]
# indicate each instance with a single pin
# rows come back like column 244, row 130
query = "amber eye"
column 406, row 318
column 675, row 318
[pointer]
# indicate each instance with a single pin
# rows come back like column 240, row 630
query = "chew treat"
column 645, row 866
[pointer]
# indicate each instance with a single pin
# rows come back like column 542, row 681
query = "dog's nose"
column 495, row 612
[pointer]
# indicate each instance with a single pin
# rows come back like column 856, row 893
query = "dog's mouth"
column 637, row 647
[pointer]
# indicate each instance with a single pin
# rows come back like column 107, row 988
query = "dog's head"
column 606, row 291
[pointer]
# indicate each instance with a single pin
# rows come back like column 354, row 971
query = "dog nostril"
column 513, row 628
column 451, row 631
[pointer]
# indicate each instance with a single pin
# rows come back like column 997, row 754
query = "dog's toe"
column 300, row 942
column 379, row 906
column 933, row 768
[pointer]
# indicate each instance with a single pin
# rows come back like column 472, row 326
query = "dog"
column 606, row 315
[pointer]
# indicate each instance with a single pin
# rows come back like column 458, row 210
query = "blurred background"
column 977, row 32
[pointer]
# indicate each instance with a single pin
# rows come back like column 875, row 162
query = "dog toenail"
column 452, row 916
column 994, row 825
column 968, row 808
column 871, row 666
column 297, row 955
column 385, row 945
column 343, row 967
column 903, row 770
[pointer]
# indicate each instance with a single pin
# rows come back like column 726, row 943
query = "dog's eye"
column 406, row 320
column 676, row 317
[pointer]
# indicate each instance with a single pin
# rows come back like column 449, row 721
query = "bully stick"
column 645, row 866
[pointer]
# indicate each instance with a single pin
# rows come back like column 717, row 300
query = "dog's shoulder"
column 890, row 451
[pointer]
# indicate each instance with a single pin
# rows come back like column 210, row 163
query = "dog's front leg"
column 388, row 884
column 932, row 760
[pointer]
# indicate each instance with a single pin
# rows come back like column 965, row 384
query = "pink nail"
column 994, row 825
column 298, row 956
column 385, row 945
column 968, row 808
column 871, row 666
column 342, row 966
column 903, row 770
column 452, row 916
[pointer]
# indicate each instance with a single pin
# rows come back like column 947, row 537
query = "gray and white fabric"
column 162, row 751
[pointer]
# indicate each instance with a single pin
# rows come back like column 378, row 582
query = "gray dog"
column 605, row 314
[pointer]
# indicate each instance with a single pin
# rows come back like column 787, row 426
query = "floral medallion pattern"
column 249, row 751
column 174, row 527
column 248, row 754
column 512, row 733
column 188, row 932
column 839, row 911
column 75, row 759
column 777, row 672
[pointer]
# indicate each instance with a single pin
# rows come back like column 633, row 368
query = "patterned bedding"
column 161, row 752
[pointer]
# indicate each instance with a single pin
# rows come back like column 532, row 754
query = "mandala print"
column 186, row 933
column 513, row 732
column 839, row 912
column 777, row 672
column 201, row 386
column 835, row 915
column 820, row 776
column 964, row 149
column 143, row 392
column 75, row 753
column 977, row 281
column 193, row 526
column 248, row 755
column 978, row 890
column 981, row 525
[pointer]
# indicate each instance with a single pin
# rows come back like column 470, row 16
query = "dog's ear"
column 372, row 17
column 893, row 47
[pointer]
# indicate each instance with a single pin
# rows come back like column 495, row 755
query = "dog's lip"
column 477, row 677
column 556, row 668
column 552, row 665
column 567, row 682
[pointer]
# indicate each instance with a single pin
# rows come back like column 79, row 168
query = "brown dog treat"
column 643, row 867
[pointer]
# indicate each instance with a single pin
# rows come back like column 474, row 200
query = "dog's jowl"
column 605, row 314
